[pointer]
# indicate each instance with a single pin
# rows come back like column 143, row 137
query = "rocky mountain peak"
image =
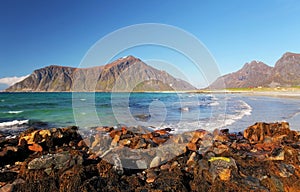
column 288, row 59
column 255, row 65
column 286, row 72
column 128, row 60
column 125, row 74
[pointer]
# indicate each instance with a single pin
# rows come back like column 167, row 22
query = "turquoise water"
column 182, row 112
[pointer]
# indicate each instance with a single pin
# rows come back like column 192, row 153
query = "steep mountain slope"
column 286, row 72
column 125, row 74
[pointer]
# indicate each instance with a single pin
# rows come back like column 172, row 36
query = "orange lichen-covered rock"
column 225, row 174
column 35, row 147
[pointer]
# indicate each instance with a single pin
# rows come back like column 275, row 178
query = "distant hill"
column 285, row 73
column 124, row 74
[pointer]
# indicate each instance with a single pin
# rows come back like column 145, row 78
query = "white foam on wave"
column 246, row 109
column 293, row 115
column 192, row 95
column 184, row 109
column 13, row 123
column 82, row 99
column 215, row 103
column 14, row 112
column 214, row 98
column 2, row 100
column 213, row 122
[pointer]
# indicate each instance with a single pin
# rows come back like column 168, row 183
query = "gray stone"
column 58, row 161
column 141, row 164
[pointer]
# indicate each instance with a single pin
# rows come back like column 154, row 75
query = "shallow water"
column 182, row 112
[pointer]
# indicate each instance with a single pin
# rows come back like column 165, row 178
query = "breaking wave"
column 14, row 123
column 14, row 112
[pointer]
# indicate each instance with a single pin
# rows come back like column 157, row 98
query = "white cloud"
column 12, row 80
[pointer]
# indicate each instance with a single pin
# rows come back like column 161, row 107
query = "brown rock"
column 265, row 146
column 256, row 132
column 159, row 140
column 151, row 176
column 35, row 147
column 221, row 138
column 125, row 142
column 165, row 167
column 198, row 134
column 104, row 129
column 243, row 146
column 115, row 140
column 147, row 136
column 278, row 131
column 174, row 165
column 220, row 149
column 7, row 188
column 162, row 132
column 96, row 141
column 192, row 160
column 279, row 157
column 81, row 143
column 113, row 133
column 178, row 139
column 192, row 146
column 141, row 144
column 124, row 130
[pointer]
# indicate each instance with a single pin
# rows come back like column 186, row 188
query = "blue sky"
column 34, row 33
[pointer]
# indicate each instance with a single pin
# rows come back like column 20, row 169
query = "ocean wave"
column 215, row 103
column 214, row 98
column 184, row 109
column 13, row 123
column 246, row 109
column 14, row 112
column 293, row 115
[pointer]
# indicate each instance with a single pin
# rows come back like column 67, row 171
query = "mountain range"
column 285, row 73
column 125, row 74
column 132, row 74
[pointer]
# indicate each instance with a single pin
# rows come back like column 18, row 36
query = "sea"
column 179, row 111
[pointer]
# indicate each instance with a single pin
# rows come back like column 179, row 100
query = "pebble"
column 151, row 176
column 155, row 162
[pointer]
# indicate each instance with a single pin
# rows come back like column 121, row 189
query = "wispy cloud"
column 11, row 80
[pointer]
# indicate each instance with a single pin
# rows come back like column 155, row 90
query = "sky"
column 35, row 34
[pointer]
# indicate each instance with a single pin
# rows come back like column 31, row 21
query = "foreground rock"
column 266, row 157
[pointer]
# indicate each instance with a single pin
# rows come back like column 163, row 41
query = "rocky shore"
column 265, row 157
